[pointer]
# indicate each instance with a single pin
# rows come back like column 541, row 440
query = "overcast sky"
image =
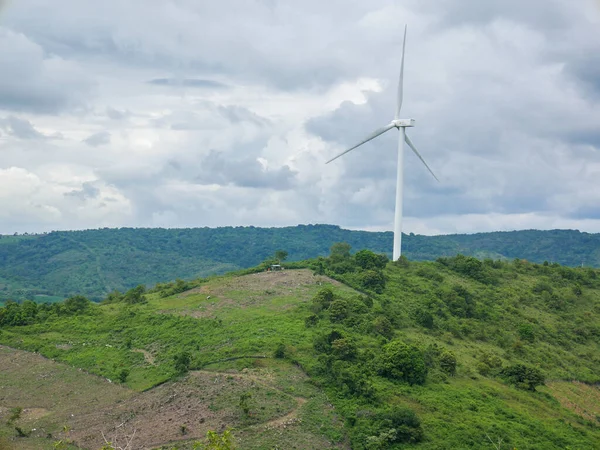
column 186, row 113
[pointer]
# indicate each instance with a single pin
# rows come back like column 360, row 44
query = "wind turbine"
column 401, row 125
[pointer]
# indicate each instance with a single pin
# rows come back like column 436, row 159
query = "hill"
column 351, row 351
column 54, row 266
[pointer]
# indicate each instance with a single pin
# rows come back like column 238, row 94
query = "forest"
column 56, row 265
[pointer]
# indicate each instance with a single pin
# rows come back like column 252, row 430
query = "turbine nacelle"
column 403, row 123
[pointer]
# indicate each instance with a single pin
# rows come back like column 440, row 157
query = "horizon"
column 407, row 233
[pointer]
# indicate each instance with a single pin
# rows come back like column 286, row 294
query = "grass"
column 228, row 317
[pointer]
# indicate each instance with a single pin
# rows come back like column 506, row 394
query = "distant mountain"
column 95, row 262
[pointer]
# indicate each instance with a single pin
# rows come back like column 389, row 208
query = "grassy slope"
column 252, row 315
column 94, row 262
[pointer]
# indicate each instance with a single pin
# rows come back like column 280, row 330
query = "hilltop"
column 53, row 266
column 343, row 351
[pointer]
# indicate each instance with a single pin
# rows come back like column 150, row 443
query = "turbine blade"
column 401, row 81
column 373, row 135
column 412, row 146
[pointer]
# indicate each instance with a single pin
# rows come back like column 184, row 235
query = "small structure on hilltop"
column 275, row 267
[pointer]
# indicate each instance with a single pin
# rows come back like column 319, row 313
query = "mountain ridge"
column 96, row 261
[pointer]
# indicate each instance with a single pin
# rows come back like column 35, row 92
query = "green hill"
column 350, row 351
column 95, row 262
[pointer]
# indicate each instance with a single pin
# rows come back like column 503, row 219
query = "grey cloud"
column 20, row 128
column 32, row 81
column 208, row 115
column 215, row 168
column 98, row 139
column 115, row 114
column 87, row 191
column 187, row 82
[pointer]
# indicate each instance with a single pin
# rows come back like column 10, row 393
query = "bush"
column 383, row 326
column 373, row 280
column 344, row 349
column 338, row 310
column 403, row 362
column 279, row 352
column 448, row 362
column 523, row 377
column 322, row 300
column 182, row 362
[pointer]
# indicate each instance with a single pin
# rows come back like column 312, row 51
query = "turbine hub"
column 403, row 123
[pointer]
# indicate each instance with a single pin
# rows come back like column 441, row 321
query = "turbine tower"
column 401, row 125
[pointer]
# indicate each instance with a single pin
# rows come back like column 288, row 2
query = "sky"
column 180, row 113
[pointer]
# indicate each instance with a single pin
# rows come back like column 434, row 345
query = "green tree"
column 366, row 259
column 182, row 362
column 338, row 310
column 76, row 304
column 339, row 251
column 524, row 377
column 404, row 362
column 448, row 362
column 281, row 255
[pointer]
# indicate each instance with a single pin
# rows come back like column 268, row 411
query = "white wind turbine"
column 401, row 124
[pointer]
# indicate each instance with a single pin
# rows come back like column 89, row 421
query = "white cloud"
column 182, row 113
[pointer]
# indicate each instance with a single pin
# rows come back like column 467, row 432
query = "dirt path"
column 147, row 355
column 288, row 419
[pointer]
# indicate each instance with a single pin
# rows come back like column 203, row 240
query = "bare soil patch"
column 76, row 406
column 583, row 399
column 252, row 290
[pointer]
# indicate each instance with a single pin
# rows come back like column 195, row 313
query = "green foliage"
column 280, row 351
column 281, row 255
column 338, row 310
column 373, row 280
column 245, row 403
column 105, row 260
column 448, row 362
column 216, row 441
column 182, row 362
column 400, row 361
column 122, row 376
column 383, row 326
column 523, row 376
column 14, row 415
column 453, row 335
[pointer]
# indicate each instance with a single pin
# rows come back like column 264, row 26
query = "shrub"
column 383, row 326
column 523, row 377
column 279, row 351
column 122, row 376
column 338, row 310
column 344, row 349
column 404, row 362
column 448, row 362
column 526, row 332
column 182, row 362
column 373, row 280
column 322, row 299
column 423, row 318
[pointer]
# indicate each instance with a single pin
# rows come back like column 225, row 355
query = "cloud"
column 87, row 191
column 20, row 128
column 32, row 81
column 247, row 172
column 187, row 82
column 216, row 118
column 98, row 139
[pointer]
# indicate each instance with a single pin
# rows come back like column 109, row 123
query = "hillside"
column 53, row 266
column 356, row 352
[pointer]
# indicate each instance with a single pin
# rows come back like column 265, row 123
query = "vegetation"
column 57, row 265
column 452, row 353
